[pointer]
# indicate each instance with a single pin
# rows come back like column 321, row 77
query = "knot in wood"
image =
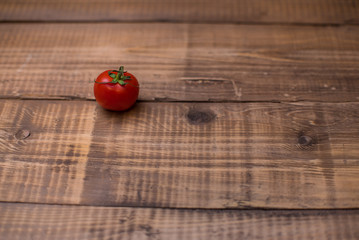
column 200, row 116
column 22, row 134
column 305, row 140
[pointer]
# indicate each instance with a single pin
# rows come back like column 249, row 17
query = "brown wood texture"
column 182, row 62
column 182, row 155
column 239, row 11
column 24, row 221
column 247, row 125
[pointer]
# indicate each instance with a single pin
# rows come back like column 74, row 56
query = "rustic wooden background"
column 247, row 124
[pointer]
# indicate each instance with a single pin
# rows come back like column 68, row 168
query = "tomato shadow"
column 111, row 114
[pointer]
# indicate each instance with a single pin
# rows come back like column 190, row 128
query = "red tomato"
column 116, row 90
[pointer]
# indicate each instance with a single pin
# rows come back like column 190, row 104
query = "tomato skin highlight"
column 114, row 96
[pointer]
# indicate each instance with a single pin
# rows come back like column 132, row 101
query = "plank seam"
column 69, row 98
column 184, row 208
column 312, row 24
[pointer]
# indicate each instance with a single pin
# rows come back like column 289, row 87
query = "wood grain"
column 27, row 221
column 239, row 11
column 182, row 62
column 182, row 155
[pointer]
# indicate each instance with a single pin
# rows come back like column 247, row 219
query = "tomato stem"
column 119, row 78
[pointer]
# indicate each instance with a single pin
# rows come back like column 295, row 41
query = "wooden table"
column 246, row 127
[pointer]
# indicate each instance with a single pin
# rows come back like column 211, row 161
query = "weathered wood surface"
column 182, row 62
column 239, row 11
column 183, row 155
column 24, row 221
column 176, row 148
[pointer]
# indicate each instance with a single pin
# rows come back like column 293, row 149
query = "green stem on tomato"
column 118, row 78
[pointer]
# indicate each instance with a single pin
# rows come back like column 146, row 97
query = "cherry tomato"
column 116, row 90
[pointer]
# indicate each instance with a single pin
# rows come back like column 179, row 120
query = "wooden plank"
column 182, row 155
column 238, row 11
column 182, row 62
column 27, row 221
